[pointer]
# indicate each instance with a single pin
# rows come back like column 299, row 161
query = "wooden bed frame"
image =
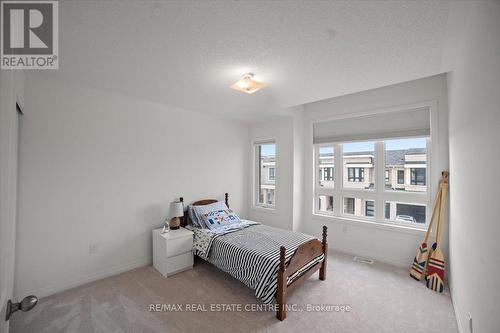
column 304, row 254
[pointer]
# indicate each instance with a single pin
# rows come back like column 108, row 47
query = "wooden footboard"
column 304, row 254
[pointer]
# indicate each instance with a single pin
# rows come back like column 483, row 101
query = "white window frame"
column 379, row 194
column 256, row 173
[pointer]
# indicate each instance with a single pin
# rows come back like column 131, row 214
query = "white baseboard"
column 87, row 278
column 457, row 312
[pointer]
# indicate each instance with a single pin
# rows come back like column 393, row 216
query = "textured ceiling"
column 187, row 53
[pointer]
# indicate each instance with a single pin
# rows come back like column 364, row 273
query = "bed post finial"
column 322, row 270
column 281, row 292
column 226, row 199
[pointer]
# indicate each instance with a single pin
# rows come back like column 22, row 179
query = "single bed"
column 269, row 260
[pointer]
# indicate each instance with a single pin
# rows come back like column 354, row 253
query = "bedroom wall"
column 388, row 244
column 298, row 166
column 97, row 172
column 473, row 57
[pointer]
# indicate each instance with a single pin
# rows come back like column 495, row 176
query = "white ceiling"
column 187, row 53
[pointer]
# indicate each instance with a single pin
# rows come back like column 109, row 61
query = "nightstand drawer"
column 179, row 263
column 179, row 246
column 172, row 251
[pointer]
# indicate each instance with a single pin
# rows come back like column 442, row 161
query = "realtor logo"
column 29, row 35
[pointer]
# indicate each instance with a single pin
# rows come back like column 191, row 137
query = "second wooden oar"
column 418, row 267
column 436, row 265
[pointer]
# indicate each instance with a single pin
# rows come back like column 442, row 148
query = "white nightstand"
column 172, row 251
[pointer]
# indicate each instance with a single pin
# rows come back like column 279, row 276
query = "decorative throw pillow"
column 215, row 215
column 220, row 218
column 197, row 211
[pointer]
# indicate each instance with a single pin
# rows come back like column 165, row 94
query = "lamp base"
column 174, row 223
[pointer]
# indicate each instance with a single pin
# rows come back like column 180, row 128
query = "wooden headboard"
column 184, row 219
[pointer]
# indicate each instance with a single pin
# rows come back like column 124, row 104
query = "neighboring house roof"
column 397, row 157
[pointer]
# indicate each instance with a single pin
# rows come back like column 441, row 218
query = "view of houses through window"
column 326, row 177
column 266, row 174
column 359, row 165
column 405, row 171
column 406, row 162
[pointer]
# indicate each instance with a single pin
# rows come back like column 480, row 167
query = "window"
column 356, row 174
column 359, row 207
column 401, row 177
column 359, row 165
column 326, row 167
column 417, row 176
column 349, row 205
column 409, row 158
column 402, row 198
column 405, row 213
column 270, row 198
column 370, row 208
column 373, row 156
column 325, row 203
column 387, row 210
column 265, row 174
column 327, row 174
column 271, row 174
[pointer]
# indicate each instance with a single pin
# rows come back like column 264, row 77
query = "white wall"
column 281, row 131
column 391, row 245
column 11, row 91
column 100, row 168
column 473, row 56
column 298, row 166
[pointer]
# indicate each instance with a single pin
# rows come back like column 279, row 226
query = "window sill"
column 265, row 209
column 371, row 224
column 403, row 192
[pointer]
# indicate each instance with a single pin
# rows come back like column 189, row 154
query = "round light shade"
column 176, row 209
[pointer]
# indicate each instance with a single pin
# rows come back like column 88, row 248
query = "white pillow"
column 193, row 219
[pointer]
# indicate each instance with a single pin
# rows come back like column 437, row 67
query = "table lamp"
column 176, row 211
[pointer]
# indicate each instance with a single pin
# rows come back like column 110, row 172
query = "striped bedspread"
column 251, row 255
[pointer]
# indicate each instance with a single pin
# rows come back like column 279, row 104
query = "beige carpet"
column 381, row 298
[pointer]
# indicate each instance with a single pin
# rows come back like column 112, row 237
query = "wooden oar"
column 417, row 270
column 436, row 265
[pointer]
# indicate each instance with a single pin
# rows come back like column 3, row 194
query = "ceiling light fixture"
column 247, row 84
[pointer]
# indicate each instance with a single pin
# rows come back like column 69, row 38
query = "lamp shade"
column 176, row 209
column 247, row 84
